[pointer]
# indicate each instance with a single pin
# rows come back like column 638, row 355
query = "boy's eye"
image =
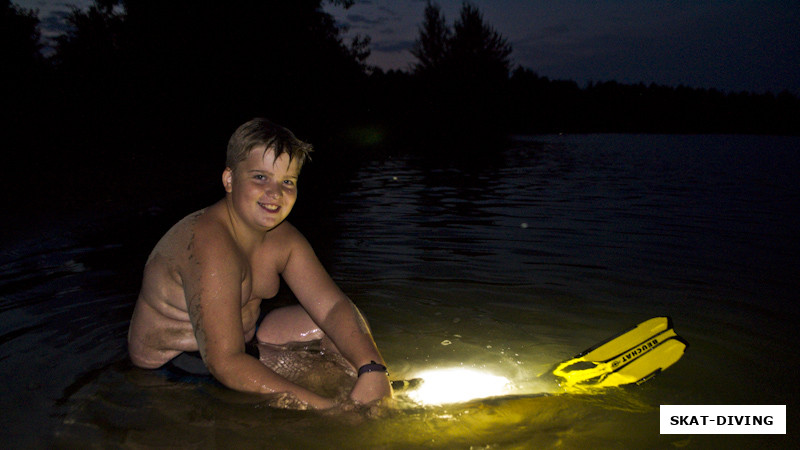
column 259, row 177
column 288, row 182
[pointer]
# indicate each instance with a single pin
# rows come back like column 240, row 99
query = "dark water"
column 515, row 261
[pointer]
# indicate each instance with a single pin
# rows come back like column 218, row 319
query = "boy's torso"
column 161, row 327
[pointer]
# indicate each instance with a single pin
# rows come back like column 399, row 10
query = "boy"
column 205, row 279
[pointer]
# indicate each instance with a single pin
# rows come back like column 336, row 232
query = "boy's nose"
column 274, row 191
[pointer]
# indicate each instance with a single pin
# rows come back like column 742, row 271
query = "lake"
column 508, row 263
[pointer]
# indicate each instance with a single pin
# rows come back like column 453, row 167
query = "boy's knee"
column 288, row 324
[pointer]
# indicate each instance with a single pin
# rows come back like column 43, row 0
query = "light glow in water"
column 455, row 385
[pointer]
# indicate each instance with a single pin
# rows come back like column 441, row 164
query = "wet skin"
column 204, row 281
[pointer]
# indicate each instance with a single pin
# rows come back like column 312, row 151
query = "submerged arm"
column 338, row 317
column 213, row 289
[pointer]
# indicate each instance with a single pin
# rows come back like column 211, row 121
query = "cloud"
column 55, row 24
column 365, row 21
column 389, row 46
column 547, row 33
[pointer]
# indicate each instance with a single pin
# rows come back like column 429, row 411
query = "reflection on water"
column 133, row 408
column 508, row 265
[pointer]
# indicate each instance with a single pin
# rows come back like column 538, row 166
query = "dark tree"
column 19, row 37
column 215, row 61
column 472, row 48
column 21, row 97
column 94, row 40
column 463, row 75
column 21, row 72
column 476, row 48
column 431, row 47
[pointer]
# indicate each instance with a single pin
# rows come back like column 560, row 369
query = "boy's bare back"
column 161, row 327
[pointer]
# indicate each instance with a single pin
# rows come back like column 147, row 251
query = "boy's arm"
column 212, row 286
column 338, row 317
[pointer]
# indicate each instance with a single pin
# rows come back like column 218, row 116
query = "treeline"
column 463, row 81
column 155, row 78
column 149, row 70
column 639, row 108
column 142, row 95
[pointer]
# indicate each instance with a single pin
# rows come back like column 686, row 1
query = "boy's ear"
column 227, row 179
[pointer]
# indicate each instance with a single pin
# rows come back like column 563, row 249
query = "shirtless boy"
column 205, row 279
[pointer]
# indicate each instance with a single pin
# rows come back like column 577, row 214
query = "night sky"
column 731, row 45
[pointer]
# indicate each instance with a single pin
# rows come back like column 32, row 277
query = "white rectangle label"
column 723, row 419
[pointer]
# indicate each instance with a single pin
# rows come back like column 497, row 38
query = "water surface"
column 515, row 260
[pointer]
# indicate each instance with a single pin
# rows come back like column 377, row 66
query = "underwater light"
column 443, row 386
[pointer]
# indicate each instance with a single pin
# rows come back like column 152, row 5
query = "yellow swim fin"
column 634, row 356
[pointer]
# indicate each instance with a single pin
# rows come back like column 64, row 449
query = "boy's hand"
column 288, row 400
column 371, row 387
column 322, row 403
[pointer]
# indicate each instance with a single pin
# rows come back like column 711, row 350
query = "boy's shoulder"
column 209, row 229
column 283, row 237
column 197, row 226
column 203, row 229
column 279, row 244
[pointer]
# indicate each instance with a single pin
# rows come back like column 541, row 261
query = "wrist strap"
column 372, row 367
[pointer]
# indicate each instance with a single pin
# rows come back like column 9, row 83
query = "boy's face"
column 263, row 189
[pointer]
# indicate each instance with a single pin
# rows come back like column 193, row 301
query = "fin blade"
column 622, row 342
column 647, row 366
column 629, row 357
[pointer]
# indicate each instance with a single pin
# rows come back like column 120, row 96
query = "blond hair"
column 260, row 131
